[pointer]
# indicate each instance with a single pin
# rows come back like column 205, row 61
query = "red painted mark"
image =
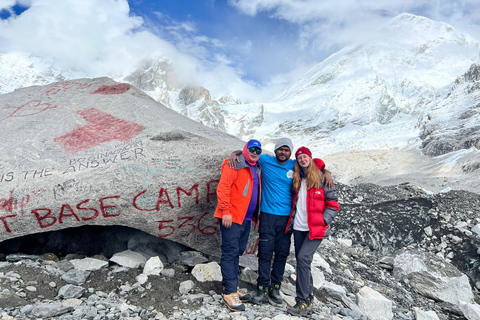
column 108, row 207
column 46, row 218
column 101, row 127
column 29, row 109
column 167, row 230
column 115, row 89
column 66, row 85
column 12, row 203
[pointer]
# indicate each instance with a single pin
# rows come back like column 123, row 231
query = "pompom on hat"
column 303, row 150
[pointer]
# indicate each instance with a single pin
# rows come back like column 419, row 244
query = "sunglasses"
column 255, row 150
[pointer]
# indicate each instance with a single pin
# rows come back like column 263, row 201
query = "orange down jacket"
column 235, row 190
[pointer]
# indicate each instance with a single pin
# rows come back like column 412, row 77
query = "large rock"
column 97, row 152
column 433, row 277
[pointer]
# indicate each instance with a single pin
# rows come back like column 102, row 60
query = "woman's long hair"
column 313, row 175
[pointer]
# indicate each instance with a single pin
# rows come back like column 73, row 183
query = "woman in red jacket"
column 314, row 207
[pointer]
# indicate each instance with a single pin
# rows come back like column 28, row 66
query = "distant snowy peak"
column 416, row 30
column 19, row 70
column 157, row 78
column 403, row 49
column 454, row 122
column 400, row 72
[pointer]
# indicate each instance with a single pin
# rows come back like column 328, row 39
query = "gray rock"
column 433, row 277
column 89, row 264
column 70, row 291
column 15, row 257
column 27, row 309
column 288, row 289
column 207, row 272
column 249, row 261
column 129, row 259
column 192, row 258
column 375, row 305
column 169, row 273
column 249, row 276
column 318, row 277
column 476, row 229
column 470, row 311
column 197, row 297
column 153, row 266
column 186, row 286
column 425, row 315
column 48, row 310
column 76, row 277
column 65, row 265
column 106, row 163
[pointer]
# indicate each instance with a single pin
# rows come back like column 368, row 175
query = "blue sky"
column 248, row 41
column 240, row 47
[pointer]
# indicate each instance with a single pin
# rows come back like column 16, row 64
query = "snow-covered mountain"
column 453, row 123
column 411, row 88
column 372, row 95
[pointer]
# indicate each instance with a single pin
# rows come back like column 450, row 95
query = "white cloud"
column 6, row 4
column 331, row 24
column 103, row 38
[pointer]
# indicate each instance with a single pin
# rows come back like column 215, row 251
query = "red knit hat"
column 303, row 150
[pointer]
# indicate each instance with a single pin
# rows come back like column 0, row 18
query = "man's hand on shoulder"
column 233, row 157
column 327, row 178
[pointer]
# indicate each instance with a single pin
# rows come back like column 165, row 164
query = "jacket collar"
column 243, row 163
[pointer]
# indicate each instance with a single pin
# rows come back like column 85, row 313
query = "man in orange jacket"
column 238, row 194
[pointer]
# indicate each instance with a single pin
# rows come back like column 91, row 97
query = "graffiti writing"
column 45, row 218
column 26, row 174
column 137, row 170
column 7, row 177
column 102, row 127
column 13, row 203
column 166, row 228
column 64, row 86
column 37, row 173
column 107, row 207
column 29, row 109
column 111, row 157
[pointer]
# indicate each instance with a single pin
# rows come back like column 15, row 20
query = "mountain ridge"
column 393, row 92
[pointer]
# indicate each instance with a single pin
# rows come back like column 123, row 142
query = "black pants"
column 272, row 240
column 304, row 250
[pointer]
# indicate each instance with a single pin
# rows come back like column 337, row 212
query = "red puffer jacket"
column 322, row 207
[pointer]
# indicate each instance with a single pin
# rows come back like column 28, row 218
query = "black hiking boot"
column 310, row 305
column 299, row 309
column 261, row 296
column 274, row 294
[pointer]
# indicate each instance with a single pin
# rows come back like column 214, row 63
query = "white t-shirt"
column 300, row 223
